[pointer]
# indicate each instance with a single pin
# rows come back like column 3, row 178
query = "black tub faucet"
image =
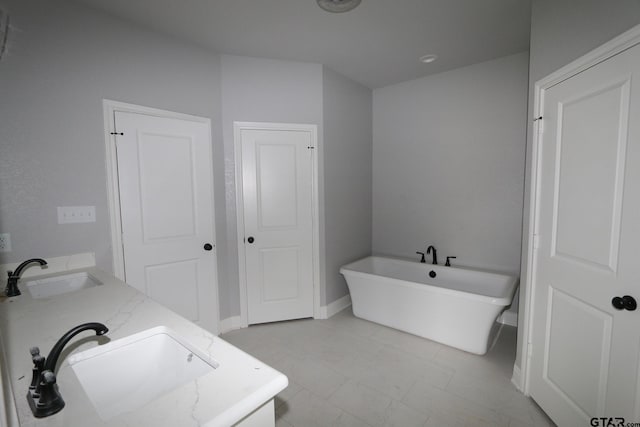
column 434, row 260
column 43, row 395
column 12, row 282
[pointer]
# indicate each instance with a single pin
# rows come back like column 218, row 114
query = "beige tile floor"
column 346, row 371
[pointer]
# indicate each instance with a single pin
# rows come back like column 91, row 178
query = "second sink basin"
column 128, row 373
column 52, row 286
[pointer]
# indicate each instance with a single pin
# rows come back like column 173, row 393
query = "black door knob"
column 626, row 302
column 251, row 240
column 617, row 303
column 629, row 302
column 208, row 246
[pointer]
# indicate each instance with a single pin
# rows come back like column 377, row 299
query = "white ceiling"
column 376, row 44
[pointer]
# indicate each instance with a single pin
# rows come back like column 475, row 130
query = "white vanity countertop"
column 223, row 397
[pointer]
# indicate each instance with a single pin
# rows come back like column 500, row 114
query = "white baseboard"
column 509, row 318
column 230, row 324
column 327, row 311
column 516, row 378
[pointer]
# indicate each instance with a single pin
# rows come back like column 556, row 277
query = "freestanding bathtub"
column 458, row 307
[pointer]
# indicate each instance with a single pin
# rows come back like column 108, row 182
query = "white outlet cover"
column 76, row 214
column 5, row 242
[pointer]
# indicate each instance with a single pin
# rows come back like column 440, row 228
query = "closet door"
column 166, row 199
column 586, row 335
column 278, row 221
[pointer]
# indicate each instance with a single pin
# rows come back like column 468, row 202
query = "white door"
column 277, row 196
column 166, row 201
column 585, row 358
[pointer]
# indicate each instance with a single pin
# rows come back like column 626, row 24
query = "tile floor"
column 346, row 371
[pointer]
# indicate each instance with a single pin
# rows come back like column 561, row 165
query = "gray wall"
column 561, row 31
column 347, row 113
column 63, row 59
column 260, row 90
column 564, row 30
column 448, row 156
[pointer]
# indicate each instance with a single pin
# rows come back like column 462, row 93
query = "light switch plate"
column 5, row 242
column 75, row 214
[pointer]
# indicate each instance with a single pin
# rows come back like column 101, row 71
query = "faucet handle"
column 48, row 378
column 448, row 263
column 38, row 364
column 49, row 401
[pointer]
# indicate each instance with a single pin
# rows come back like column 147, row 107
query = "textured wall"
column 63, row 59
column 448, row 158
column 348, row 153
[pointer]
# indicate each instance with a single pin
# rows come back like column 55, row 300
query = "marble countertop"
column 222, row 397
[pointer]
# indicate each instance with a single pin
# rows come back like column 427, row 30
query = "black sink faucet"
column 43, row 395
column 52, row 359
column 12, row 282
column 434, row 260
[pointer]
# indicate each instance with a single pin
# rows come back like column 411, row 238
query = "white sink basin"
column 128, row 373
column 52, row 286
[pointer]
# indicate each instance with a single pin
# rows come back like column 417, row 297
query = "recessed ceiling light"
column 338, row 6
column 428, row 58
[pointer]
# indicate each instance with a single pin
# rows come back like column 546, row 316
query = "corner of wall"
column 335, row 307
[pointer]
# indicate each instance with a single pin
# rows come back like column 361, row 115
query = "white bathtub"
column 458, row 307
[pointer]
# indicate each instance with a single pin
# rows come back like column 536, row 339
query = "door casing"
column 623, row 42
column 113, row 192
column 242, row 277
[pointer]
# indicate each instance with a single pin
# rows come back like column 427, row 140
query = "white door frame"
column 113, row 190
column 238, row 127
column 529, row 255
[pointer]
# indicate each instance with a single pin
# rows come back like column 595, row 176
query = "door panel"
column 161, row 283
column 572, row 325
column 585, row 353
column 166, row 201
column 279, row 281
column 581, row 129
column 277, row 197
column 277, row 192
